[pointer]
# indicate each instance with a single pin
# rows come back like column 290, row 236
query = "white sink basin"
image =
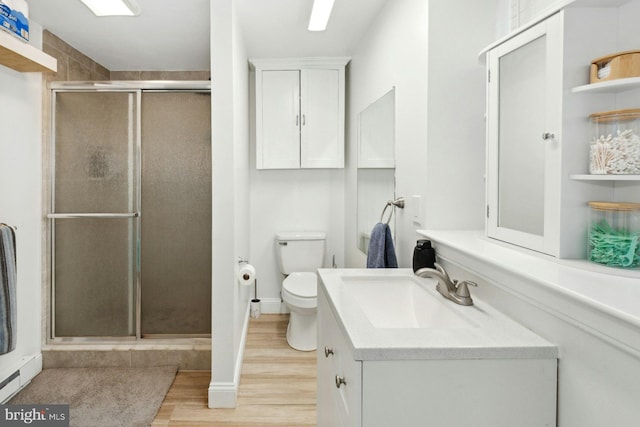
column 391, row 314
column 402, row 302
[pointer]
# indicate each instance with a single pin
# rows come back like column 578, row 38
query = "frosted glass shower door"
column 131, row 214
column 94, row 213
column 176, row 219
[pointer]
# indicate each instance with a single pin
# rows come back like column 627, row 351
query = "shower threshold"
column 186, row 353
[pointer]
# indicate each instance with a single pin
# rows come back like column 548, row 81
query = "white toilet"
column 299, row 255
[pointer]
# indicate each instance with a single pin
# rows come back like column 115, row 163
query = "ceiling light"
column 113, row 7
column 320, row 15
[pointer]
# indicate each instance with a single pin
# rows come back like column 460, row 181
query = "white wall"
column 393, row 52
column 292, row 200
column 20, row 197
column 230, row 239
column 429, row 52
column 241, row 171
column 458, row 31
column 628, row 36
column 523, row 11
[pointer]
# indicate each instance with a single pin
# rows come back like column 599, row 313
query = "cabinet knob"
column 339, row 381
column 548, row 135
column 327, row 351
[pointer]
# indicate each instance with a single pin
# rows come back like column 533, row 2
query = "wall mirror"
column 376, row 165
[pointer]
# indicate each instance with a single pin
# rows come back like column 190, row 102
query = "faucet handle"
column 462, row 289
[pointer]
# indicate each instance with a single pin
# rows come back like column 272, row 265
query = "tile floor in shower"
column 277, row 386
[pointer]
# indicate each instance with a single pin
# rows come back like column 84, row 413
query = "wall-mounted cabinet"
column 524, row 130
column 23, row 57
column 299, row 113
column 538, row 129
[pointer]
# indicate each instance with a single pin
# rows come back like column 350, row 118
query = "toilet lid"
column 304, row 285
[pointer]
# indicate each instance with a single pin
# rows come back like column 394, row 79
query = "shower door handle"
column 93, row 215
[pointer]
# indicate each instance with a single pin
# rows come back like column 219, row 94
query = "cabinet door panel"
column 277, row 122
column 322, row 129
column 521, row 152
column 336, row 406
column 326, row 399
column 524, row 99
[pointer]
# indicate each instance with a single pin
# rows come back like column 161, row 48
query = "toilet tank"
column 300, row 251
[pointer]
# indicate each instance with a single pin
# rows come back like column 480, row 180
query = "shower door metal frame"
column 135, row 87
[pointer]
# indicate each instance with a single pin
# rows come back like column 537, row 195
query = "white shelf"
column 23, row 57
column 610, row 86
column 588, row 177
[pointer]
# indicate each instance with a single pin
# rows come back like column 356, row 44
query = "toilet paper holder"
column 254, row 304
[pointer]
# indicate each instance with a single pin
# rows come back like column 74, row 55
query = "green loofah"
column 615, row 248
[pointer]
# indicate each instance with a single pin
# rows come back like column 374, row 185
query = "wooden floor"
column 277, row 385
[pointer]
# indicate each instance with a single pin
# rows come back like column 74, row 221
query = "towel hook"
column 399, row 202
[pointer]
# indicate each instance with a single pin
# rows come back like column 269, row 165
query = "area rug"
column 109, row 397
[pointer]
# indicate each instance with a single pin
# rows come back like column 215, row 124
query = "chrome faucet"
column 452, row 290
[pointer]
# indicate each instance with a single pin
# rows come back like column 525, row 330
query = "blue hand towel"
column 8, row 315
column 381, row 253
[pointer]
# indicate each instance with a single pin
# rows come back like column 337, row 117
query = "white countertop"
column 602, row 300
column 494, row 336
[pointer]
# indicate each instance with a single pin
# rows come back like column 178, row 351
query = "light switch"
column 416, row 209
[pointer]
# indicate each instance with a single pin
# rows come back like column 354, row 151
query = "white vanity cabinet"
column 537, row 131
column 393, row 385
column 299, row 113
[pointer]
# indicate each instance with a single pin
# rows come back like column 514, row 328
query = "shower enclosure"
column 130, row 213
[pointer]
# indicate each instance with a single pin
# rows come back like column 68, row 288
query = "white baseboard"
column 28, row 367
column 273, row 306
column 225, row 394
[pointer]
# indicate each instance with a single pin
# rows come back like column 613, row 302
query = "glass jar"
column 614, row 234
column 615, row 142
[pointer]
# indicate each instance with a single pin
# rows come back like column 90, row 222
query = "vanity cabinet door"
column 326, row 401
column 524, row 119
column 339, row 384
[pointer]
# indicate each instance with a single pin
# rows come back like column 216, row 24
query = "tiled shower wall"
column 73, row 65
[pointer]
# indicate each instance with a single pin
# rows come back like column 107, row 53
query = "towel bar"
column 92, row 215
column 399, row 202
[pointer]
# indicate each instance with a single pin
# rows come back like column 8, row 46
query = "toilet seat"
column 301, row 290
column 303, row 285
